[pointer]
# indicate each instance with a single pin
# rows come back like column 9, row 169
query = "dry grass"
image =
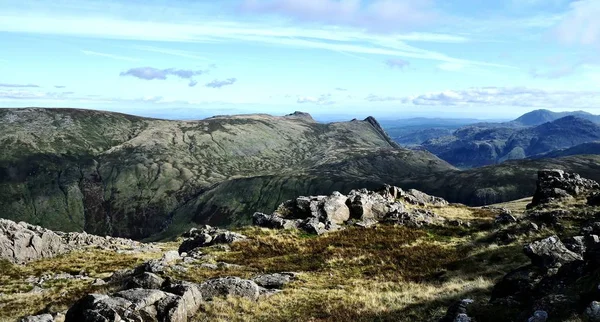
column 57, row 295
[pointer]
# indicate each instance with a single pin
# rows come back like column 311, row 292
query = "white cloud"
column 324, row 99
column 510, row 96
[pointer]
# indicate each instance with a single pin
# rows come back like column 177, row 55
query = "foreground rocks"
column 21, row 242
column 321, row 214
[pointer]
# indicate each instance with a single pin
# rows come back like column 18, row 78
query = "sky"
column 185, row 59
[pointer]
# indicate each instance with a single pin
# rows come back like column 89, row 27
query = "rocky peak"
column 301, row 115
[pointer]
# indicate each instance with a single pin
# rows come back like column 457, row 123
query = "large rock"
column 557, row 185
column 550, row 253
column 592, row 312
column 229, row 286
column 21, row 242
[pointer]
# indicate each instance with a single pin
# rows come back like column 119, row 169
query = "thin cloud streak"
column 111, row 56
column 347, row 41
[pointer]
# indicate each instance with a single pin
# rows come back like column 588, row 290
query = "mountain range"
column 120, row 175
column 533, row 134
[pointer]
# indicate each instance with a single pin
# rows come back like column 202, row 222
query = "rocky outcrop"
column 21, row 242
column 557, row 185
column 207, row 236
column 321, row 214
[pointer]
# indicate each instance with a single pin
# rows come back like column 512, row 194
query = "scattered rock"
column 207, row 236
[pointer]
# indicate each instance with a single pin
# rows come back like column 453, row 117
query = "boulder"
column 550, row 253
column 229, row 286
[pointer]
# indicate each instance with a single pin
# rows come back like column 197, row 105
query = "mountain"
column 475, row 146
column 539, row 117
column 115, row 174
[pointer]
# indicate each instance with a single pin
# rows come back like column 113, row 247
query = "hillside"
column 120, row 175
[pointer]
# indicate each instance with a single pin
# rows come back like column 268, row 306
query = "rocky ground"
column 387, row 255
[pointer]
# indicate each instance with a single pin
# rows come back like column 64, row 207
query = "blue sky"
column 342, row 58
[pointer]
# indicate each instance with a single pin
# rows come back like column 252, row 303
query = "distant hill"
column 539, row 117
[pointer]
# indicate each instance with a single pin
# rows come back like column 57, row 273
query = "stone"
column 274, row 281
column 550, row 253
column 229, row 286
column 539, row 316
column 594, row 199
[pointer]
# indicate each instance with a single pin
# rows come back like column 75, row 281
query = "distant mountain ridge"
column 539, row 117
column 531, row 134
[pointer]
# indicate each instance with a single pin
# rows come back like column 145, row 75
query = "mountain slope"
column 126, row 176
